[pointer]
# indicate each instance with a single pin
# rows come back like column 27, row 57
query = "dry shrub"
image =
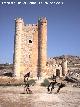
column 45, row 82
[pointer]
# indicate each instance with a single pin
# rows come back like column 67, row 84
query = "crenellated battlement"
column 30, row 50
column 42, row 20
column 19, row 20
column 30, row 54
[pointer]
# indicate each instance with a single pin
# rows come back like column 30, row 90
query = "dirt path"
column 14, row 97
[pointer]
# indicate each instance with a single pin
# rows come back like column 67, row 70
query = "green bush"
column 45, row 83
column 31, row 82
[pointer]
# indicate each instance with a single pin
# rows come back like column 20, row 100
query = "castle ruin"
column 30, row 47
column 30, row 50
column 57, row 67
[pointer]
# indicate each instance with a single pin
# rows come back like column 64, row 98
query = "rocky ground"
column 13, row 96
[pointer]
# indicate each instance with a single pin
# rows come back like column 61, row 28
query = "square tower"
column 30, row 47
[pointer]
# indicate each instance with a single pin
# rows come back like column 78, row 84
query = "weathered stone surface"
column 30, row 50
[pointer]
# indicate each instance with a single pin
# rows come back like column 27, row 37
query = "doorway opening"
column 57, row 72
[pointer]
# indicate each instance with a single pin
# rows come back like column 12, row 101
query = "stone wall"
column 30, row 51
column 57, row 67
column 30, row 47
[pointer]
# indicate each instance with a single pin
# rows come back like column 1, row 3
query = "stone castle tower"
column 30, row 47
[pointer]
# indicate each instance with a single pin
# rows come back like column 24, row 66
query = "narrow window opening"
column 29, row 56
column 30, row 41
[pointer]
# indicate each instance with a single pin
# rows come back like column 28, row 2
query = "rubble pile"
column 73, row 77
